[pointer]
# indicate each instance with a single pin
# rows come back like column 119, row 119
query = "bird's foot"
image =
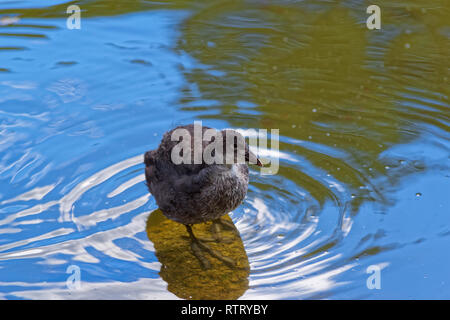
column 218, row 225
column 199, row 247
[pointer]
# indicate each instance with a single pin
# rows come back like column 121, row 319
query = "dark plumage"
column 195, row 193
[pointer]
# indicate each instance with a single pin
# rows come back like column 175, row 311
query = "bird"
column 193, row 192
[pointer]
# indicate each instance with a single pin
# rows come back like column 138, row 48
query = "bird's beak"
column 252, row 158
column 259, row 163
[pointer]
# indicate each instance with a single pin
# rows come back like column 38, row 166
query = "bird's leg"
column 198, row 245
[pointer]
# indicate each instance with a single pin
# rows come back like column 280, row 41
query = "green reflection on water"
column 321, row 77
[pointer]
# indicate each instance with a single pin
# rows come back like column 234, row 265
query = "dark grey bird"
column 191, row 193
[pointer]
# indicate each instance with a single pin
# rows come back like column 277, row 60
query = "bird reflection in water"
column 185, row 274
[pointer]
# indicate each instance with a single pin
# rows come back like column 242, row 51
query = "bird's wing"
column 181, row 177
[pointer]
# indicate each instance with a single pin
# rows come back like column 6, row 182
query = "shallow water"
column 363, row 116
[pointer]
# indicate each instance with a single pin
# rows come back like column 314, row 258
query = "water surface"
column 363, row 116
